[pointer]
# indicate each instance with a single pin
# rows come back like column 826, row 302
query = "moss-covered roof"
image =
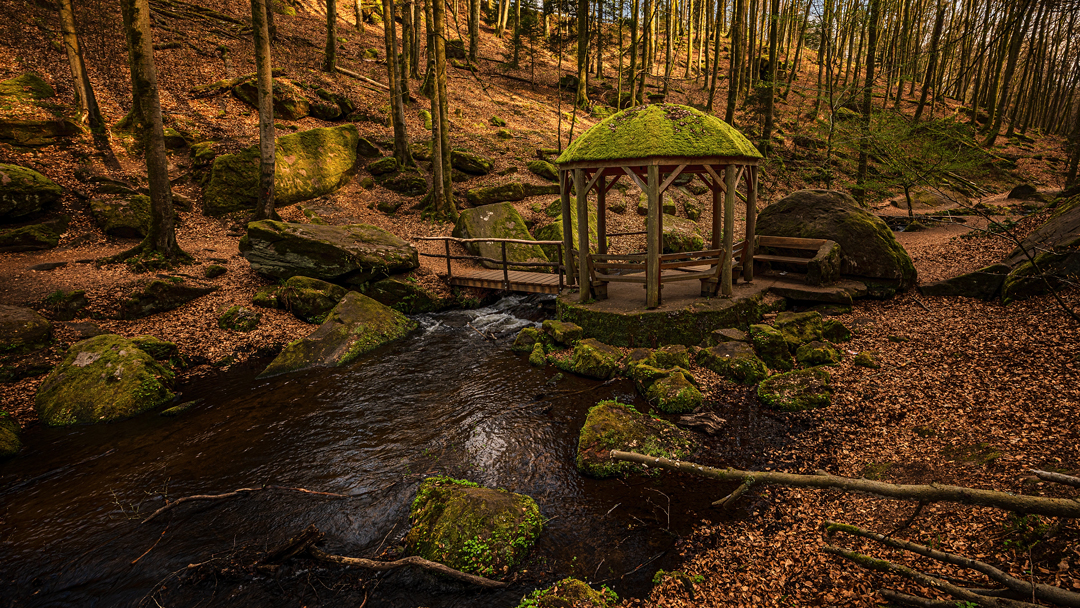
column 659, row 129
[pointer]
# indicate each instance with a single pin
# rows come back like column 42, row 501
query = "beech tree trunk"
column 766, row 133
column 931, row 65
column 438, row 18
column 736, row 61
column 330, row 62
column 582, row 99
column 867, row 101
column 264, row 78
column 474, row 30
column 84, row 91
column 398, row 87
column 1023, row 20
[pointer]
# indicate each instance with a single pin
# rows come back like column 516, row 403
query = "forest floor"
column 970, row 392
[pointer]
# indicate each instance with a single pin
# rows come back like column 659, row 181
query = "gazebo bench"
column 821, row 257
column 705, row 266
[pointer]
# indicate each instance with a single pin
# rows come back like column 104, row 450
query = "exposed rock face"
column 347, row 255
column 24, row 192
column 489, row 195
column 22, row 329
column 34, row 237
column 36, row 133
column 355, row 326
column 497, row 221
column 867, row 246
column 160, row 295
column 128, row 219
column 611, row 425
column 309, row 299
column 101, row 379
column 984, row 284
column 562, row 332
column 799, row 328
column 310, row 164
column 1058, row 244
column 290, row 103
column 543, row 169
column 472, row 529
column 406, row 295
column 771, row 347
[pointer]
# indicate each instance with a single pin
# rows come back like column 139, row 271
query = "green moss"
column 214, row 270
column 266, row 297
column 570, row 593
column 28, row 86
column 239, row 318
column 310, row 300
column 9, row 436
column 771, row 347
column 681, row 235
column 406, row 295
column 563, row 333
column 471, row 162
column 735, row 361
column 528, row 338
column 611, row 425
column 383, row 166
column 834, row 331
column 594, row 359
column 500, row 220
column 796, row 391
column 674, row 394
column 125, row 218
column 672, row 355
column 35, row 237
column 554, row 230
column 538, row 358
column 101, row 379
column 866, row 359
column 543, row 169
column 799, row 328
column 24, row 191
column 817, row 353
column 661, row 129
column 472, row 529
column 160, row 350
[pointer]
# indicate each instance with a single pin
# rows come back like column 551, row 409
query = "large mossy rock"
column 796, row 391
column 24, row 192
column 594, row 359
column 563, row 332
column 817, row 353
column 347, row 255
column 26, row 87
column 570, row 593
column 681, row 234
column 501, row 221
column 543, row 168
column 309, row 164
column 528, row 338
column 490, row 195
column 867, row 245
column 472, row 529
column 37, row 133
column 735, row 361
column 22, row 329
column 101, row 379
column 355, row 326
column 554, row 232
column 407, row 183
column 290, row 103
column 799, row 328
column 125, row 218
column 611, row 425
column 471, row 162
column 674, row 394
column 160, row 295
column 310, row 300
column 771, row 347
column 407, row 295
column 1057, row 242
column 9, row 436
column 35, row 237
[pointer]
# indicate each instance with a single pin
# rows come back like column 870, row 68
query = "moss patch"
column 9, row 436
column 611, row 425
column 735, row 361
column 817, row 353
column 562, row 332
column 472, row 529
column 239, row 318
column 570, row 593
column 593, row 359
column 674, row 394
column 502, row 221
column 796, row 391
column 771, row 347
column 24, row 191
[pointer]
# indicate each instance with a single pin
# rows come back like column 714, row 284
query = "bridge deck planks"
column 529, row 282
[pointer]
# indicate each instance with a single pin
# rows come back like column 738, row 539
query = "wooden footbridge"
column 506, row 275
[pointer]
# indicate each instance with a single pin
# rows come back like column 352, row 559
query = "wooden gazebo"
column 654, row 144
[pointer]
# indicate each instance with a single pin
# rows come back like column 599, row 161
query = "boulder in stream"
column 9, row 436
column 611, row 425
column 472, row 529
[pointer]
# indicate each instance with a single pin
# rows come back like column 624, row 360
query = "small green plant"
column 1025, row 531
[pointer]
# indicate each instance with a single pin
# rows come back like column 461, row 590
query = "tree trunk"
column 766, row 133
column 264, row 77
column 358, row 15
column 398, row 88
column 931, row 65
column 147, row 110
column 798, row 49
column 474, row 30
column 736, row 61
column 1010, row 67
column 582, row 100
column 867, row 101
column 84, row 91
column 635, row 27
column 330, row 61
column 449, row 210
column 408, row 30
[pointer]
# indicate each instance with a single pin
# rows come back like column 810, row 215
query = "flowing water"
column 447, row 399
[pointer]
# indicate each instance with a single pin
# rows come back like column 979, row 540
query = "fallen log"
column 412, row 560
column 1036, row 505
column 363, row 78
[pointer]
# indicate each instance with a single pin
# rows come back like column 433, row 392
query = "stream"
column 449, row 399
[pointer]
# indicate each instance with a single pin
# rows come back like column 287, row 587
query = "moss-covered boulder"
column 668, row 206
column 63, row 305
column 735, row 361
column 834, row 331
column 309, row 164
column 489, row 195
column 160, row 350
column 594, row 359
column 501, row 221
column 795, row 391
column 101, row 379
column 538, row 356
column 672, row 355
column 867, row 245
column 692, row 209
column 472, row 529
column 29, row 132
column 383, row 166
column 407, row 183
column 725, row 334
column 1057, row 242
column 817, row 353
column 347, row 255
column 866, row 359
column 611, row 425
column 24, row 192
column 214, row 271
column 554, row 231
column 674, row 394
column 406, row 294
column 159, row 295
column 239, row 318
column 290, row 103
column 310, row 300
column 681, row 234
column 528, row 338
column 22, row 329
column 471, row 162
column 543, row 169
column 266, row 297
column 26, row 87
column 562, row 332
column 125, row 218
column 9, row 436
column 570, row 593
column 799, row 328
column 355, row 326
column 35, row 237
column 770, row 346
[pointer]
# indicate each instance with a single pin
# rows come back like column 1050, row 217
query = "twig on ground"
column 151, row 546
column 234, row 493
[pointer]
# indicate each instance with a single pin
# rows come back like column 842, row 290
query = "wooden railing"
column 630, row 268
column 504, row 262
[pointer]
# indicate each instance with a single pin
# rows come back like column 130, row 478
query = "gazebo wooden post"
column 717, row 209
column 729, row 221
column 601, row 213
column 583, row 234
column 567, row 226
column 654, row 238
column 751, row 223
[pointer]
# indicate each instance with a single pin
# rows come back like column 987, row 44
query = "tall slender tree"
column 399, row 87
column 582, row 99
column 867, row 101
column 931, row 64
column 265, row 81
column 770, row 96
column 330, row 59
column 85, row 99
column 1024, row 20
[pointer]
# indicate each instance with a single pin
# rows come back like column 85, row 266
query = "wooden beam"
column 601, row 216
column 654, row 240
column 729, row 221
column 567, row 227
column 717, row 209
column 671, row 178
column 637, row 179
column 583, row 234
column 658, row 161
column 751, row 224
column 592, row 182
column 614, row 179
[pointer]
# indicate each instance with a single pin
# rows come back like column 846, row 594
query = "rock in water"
column 500, row 220
column 24, row 191
column 101, row 379
column 9, row 437
column 355, row 326
column 406, row 295
column 472, row 529
column 310, row 164
column 347, row 255
column 611, row 425
column 867, row 246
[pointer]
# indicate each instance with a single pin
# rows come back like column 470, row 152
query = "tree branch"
column 1067, row 480
column 234, row 493
column 412, row 560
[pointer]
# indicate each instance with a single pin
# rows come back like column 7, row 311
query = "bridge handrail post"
column 449, row 272
column 506, row 268
column 560, row 268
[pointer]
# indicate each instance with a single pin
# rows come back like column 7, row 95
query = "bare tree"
column 265, row 80
column 330, row 61
column 84, row 91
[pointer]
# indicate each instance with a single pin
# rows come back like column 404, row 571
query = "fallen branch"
column 363, row 78
column 294, row 546
column 1067, row 480
column 234, row 493
column 412, row 560
column 1047, row 593
column 1037, row 505
column 151, row 546
column 730, row 499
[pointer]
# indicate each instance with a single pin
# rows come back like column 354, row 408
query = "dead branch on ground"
column 233, row 494
column 412, row 560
